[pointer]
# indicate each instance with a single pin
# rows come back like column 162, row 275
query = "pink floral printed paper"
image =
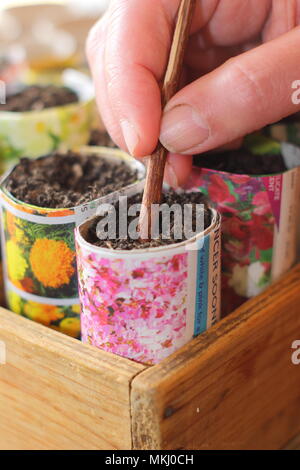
column 134, row 308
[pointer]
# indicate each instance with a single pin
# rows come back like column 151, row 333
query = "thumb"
column 243, row 95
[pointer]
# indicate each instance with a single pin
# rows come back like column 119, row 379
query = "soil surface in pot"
column 67, row 180
column 37, row 98
column 101, row 139
column 242, row 162
column 170, row 197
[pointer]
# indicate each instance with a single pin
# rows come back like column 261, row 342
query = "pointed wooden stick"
column 157, row 161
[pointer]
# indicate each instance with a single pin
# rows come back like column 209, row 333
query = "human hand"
column 242, row 59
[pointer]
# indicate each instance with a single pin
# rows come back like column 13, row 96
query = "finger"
column 210, row 58
column 136, row 53
column 137, row 47
column 95, row 53
column 234, row 145
column 285, row 15
column 178, row 169
column 245, row 94
column 235, row 21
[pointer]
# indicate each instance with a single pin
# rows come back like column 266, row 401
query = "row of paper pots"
column 169, row 295
column 38, row 251
column 259, row 245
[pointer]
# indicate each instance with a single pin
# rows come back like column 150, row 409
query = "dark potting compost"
column 37, row 98
column 170, row 197
column 67, row 180
column 100, row 138
column 242, row 162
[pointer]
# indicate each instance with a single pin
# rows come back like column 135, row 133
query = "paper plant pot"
column 259, row 224
column 288, row 132
column 146, row 304
column 36, row 133
column 38, row 251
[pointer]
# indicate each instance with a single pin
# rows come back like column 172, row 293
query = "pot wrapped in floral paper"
column 42, row 201
column 141, row 300
column 287, row 131
column 40, row 119
column 256, row 189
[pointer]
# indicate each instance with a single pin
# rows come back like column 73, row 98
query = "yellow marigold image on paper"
column 14, row 302
column 44, row 314
column 16, row 264
column 52, row 262
column 70, row 326
column 20, row 236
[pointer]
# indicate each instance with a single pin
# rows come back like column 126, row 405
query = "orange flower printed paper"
column 52, row 262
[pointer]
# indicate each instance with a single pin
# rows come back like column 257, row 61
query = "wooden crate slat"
column 57, row 393
column 294, row 444
column 233, row 387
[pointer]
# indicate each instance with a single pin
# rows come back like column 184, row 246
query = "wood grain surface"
column 57, row 393
column 293, row 444
column 234, row 387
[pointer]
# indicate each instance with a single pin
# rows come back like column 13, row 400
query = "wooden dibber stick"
column 157, row 161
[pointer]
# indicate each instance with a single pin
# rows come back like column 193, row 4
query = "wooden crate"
column 234, row 387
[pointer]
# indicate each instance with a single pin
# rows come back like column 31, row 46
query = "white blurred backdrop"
column 92, row 6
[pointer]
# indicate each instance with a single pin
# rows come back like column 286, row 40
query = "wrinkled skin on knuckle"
column 249, row 89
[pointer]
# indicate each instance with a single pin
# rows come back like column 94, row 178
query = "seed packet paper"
column 38, row 252
column 145, row 304
column 259, row 221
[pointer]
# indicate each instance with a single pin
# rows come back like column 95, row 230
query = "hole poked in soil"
column 90, row 230
column 37, row 98
column 242, row 162
column 67, row 180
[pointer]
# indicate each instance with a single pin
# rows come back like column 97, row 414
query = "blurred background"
column 39, row 39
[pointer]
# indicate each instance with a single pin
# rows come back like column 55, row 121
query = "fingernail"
column 130, row 136
column 170, row 176
column 183, row 129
